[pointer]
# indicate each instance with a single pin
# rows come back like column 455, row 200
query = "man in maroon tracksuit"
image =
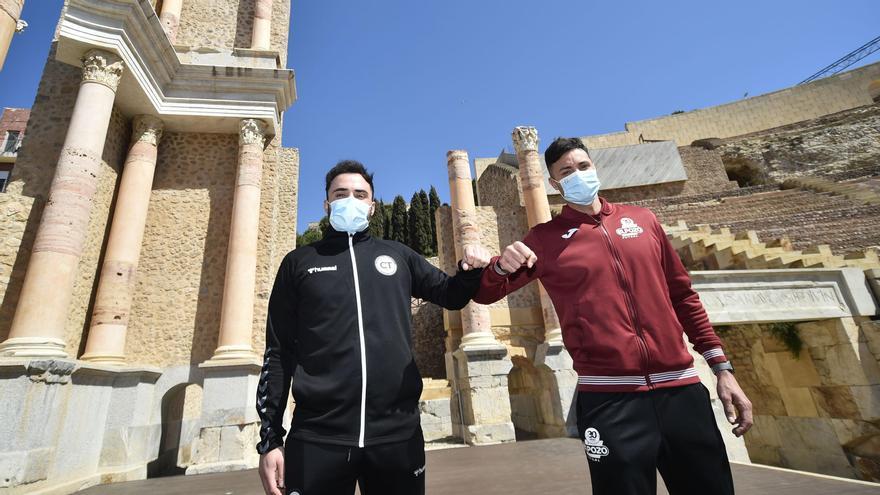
column 624, row 298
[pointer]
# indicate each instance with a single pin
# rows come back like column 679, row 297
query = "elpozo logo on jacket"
column 629, row 229
column 385, row 265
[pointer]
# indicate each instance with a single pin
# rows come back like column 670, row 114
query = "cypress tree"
column 377, row 221
column 425, row 214
column 433, row 204
column 399, row 220
column 419, row 224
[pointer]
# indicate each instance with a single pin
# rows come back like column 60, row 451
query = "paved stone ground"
column 555, row 466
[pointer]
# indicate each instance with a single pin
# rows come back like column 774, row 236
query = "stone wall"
column 817, row 410
column 14, row 229
column 797, row 103
column 499, row 186
column 831, row 145
column 222, row 25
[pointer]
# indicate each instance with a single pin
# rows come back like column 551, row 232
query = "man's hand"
column 475, row 256
column 516, row 256
column 272, row 471
column 737, row 406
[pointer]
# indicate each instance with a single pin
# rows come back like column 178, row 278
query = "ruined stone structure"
column 772, row 203
column 149, row 208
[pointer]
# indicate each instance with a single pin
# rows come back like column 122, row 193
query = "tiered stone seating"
column 843, row 217
column 702, row 248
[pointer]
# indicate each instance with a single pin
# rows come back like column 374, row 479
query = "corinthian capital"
column 148, row 129
column 102, row 67
column 251, row 131
column 525, row 139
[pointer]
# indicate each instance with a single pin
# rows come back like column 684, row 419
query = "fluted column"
column 170, row 18
column 10, row 12
column 237, row 312
column 525, row 141
column 106, row 342
column 261, row 36
column 41, row 315
column 475, row 320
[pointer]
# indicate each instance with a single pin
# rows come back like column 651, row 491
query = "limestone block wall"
column 499, row 185
column 175, row 319
column 226, row 24
column 15, row 211
column 818, row 411
column 833, row 94
column 832, row 146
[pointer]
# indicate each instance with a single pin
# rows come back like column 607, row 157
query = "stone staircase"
column 853, row 191
column 702, row 248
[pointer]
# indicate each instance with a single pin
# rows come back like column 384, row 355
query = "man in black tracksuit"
column 339, row 329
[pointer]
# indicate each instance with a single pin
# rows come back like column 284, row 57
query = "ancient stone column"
column 552, row 361
column 41, row 315
column 10, row 11
column 525, row 141
column 260, row 38
column 475, row 320
column 170, row 18
column 237, row 312
column 478, row 368
column 106, row 342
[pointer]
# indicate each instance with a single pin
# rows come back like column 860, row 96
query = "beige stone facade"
column 152, row 395
column 822, row 97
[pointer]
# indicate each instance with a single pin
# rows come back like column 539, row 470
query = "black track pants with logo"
column 324, row 469
column 629, row 436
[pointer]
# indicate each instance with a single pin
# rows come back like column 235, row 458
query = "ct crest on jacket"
column 339, row 330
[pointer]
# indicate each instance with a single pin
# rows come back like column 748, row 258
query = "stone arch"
column 874, row 90
column 180, row 411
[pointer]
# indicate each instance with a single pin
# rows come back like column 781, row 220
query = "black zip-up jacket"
column 343, row 337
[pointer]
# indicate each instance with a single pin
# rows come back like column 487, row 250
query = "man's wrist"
column 500, row 271
column 721, row 367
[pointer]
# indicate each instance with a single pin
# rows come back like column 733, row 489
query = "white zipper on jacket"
column 360, row 314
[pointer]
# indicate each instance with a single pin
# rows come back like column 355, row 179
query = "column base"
column 239, row 352
column 482, row 398
column 230, row 426
column 480, row 341
column 41, row 347
column 553, row 337
column 108, row 359
column 558, row 391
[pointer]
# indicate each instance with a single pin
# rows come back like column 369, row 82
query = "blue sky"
column 398, row 84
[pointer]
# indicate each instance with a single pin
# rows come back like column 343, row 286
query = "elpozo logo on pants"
column 385, row 265
column 594, row 445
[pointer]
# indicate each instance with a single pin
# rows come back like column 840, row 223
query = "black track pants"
column 629, row 436
column 324, row 469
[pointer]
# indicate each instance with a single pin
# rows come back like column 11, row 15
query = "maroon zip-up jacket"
column 622, row 295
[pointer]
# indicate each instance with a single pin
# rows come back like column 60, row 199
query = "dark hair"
column 561, row 146
column 348, row 167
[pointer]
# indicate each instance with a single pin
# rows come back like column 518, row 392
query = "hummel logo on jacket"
column 622, row 295
column 339, row 328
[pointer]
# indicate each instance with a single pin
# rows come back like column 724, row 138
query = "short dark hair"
column 348, row 167
column 561, row 146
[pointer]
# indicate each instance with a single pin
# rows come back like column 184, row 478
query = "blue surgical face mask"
column 580, row 187
column 349, row 215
